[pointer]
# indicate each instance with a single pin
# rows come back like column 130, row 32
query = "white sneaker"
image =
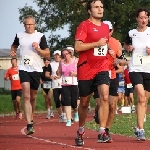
column 51, row 113
column 48, row 116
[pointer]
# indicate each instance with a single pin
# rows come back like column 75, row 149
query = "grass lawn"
column 123, row 125
column 6, row 105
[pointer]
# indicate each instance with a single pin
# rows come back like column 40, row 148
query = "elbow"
column 77, row 48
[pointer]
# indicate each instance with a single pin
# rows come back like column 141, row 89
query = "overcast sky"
column 10, row 25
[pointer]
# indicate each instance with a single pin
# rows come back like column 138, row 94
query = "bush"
column 4, row 91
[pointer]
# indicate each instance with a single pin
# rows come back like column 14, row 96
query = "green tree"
column 55, row 14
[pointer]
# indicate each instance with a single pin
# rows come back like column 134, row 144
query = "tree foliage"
column 54, row 14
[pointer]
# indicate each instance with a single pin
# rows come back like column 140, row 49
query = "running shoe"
column 68, row 123
column 76, row 117
column 103, row 138
column 107, row 132
column 136, row 132
column 51, row 113
column 30, row 129
column 141, row 135
column 20, row 115
column 79, row 139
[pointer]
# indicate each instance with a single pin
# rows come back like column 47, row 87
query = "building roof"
column 4, row 53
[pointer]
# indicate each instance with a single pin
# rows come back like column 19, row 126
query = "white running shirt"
column 30, row 60
column 58, row 82
column 140, row 61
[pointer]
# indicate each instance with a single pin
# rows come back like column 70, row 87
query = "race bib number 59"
column 100, row 51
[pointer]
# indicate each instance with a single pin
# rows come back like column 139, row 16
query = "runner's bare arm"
column 80, row 46
column 59, row 72
column 119, row 53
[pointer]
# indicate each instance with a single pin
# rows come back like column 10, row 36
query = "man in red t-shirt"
column 16, row 89
column 91, row 40
column 129, row 100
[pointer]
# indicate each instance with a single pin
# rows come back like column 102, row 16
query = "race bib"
column 100, row 51
column 28, row 60
column 129, row 85
column 121, row 83
column 140, row 59
column 47, row 85
column 15, row 77
column 67, row 80
column 57, row 83
column 75, row 81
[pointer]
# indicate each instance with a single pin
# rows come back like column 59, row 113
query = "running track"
column 51, row 135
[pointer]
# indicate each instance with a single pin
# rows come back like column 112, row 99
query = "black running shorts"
column 15, row 93
column 114, row 83
column 32, row 77
column 140, row 78
column 86, row 87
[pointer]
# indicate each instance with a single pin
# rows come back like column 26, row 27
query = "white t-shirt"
column 140, row 61
column 58, row 82
column 30, row 60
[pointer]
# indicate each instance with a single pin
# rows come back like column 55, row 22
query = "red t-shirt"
column 89, row 65
column 13, row 75
column 113, row 45
column 126, row 76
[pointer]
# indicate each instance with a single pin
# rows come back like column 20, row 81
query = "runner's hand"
column 102, row 42
column 148, row 50
column 111, row 52
column 12, row 53
column 35, row 46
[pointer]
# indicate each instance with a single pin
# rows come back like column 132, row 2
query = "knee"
column 84, row 102
column 104, row 98
column 26, row 97
column 141, row 99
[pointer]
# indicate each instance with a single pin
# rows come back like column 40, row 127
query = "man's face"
column 97, row 10
column 29, row 25
column 142, row 19
column 14, row 62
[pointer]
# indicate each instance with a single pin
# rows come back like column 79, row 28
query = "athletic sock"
column 101, row 130
column 81, row 129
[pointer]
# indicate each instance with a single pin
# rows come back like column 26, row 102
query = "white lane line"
column 52, row 142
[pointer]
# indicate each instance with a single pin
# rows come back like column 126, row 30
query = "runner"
column 137, row 42
column 68, row 71
column 33, row 45
column 16, row 89
column 93, row 68
column 115, row 49
column 56, row 86
column 46, row 85
column 129, row 99
column 121, row 90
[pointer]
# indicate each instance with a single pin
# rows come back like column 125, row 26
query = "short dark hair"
column 13, row 59
column 88, row 6
column 140, row 10
column 44, row 59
